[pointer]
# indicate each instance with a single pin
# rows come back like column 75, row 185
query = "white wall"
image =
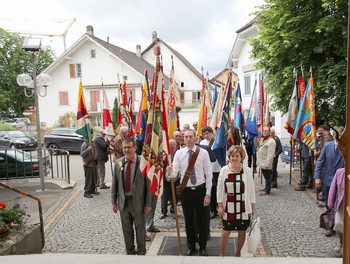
column 94, row 70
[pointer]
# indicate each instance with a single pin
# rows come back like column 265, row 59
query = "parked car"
column 63, row 138
column 19, row 122
column 17, row 139
column 286, row 151
column 18, row 163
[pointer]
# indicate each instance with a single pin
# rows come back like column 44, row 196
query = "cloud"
column 203, row 31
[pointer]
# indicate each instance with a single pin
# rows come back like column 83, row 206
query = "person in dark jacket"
column 275, row 159
column 101, row 156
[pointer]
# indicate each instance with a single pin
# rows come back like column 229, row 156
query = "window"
column 125, row 77
column 93, row 54
column 63, row 98
column 75, row 70
column 247, row 85
column 182, row 84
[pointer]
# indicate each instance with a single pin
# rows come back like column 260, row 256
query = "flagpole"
column 173, row 194
column 345, row 149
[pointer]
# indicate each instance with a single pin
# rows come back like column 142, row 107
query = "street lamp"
column 33, row 45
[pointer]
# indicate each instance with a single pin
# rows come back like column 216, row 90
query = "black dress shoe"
column 147, row 238
column 203, row 252
column 190, row 252
column 153, row 230
column 300, row 188
column 88, row 195
column 162, row 217
column 104, row 187
column 213, row 215
column 274, row 185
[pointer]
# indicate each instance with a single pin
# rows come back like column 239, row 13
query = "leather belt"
column 193, row 188
column 128, row 197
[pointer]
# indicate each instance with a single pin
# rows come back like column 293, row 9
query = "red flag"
column 107, row 123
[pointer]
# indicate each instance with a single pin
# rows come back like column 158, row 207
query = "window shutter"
column 95, row 99
column 63, row 98
column 72, row 71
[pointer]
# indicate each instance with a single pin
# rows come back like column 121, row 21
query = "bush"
column 5, row 126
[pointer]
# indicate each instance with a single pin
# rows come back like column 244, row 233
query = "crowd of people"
column 205, row 189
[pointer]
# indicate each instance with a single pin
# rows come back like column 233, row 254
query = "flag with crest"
column 155, row 147
column 305, row 125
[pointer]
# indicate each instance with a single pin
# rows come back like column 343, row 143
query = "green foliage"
column 67, row 120
column 115, row 113
column 12, row 213
column 14, row 61
column 5, row 126
column 308, row 33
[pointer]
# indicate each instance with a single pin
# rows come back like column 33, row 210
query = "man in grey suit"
column 132, row 196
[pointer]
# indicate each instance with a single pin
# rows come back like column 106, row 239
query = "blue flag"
column 221, row 138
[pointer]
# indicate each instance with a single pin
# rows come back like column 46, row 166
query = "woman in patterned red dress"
column 236, row 198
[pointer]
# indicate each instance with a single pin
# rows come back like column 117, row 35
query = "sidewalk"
column 76, row 225
column 99, row 259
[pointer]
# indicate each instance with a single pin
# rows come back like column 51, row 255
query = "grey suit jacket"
column 142, row 196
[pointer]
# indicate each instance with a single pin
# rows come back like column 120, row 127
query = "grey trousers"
column 133, row 218
column 150, row 215
column 101, row 172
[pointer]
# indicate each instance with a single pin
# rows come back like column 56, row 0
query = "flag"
column 172, row 113
column 239, row 120
column 130, row 116
column 214, row 122
column 107, row 123
column 305, row 125
column 301, row 85
column 266, row 110
column 261, row 103
column 293, row 108
column 203, row 110
column 215, row 98
column 143, row 111
column 251, row 124
column 155, row 146
column 221, row 138
column 82, row 126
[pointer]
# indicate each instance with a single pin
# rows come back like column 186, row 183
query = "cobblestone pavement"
column 289, row 221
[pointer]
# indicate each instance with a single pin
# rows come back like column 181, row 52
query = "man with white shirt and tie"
column 196, row 194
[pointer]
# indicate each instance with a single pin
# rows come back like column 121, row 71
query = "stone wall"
column 21, row 241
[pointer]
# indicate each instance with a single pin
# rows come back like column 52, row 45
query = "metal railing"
column 15, row 164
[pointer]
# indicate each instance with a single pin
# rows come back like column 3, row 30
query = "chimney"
column 154, row 36
column 138, row 51
column 90, row 30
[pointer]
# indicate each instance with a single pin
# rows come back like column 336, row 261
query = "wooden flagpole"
column 345, row 149
column 173, row 194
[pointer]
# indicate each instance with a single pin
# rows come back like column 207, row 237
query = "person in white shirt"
column 196, row 195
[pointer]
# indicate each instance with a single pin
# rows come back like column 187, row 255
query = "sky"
column 203, row 31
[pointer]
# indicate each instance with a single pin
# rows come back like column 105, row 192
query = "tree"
column 115, row 113
column 14, row 61
column 294, row 33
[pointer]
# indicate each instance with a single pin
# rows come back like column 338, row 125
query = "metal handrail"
column 39, row 205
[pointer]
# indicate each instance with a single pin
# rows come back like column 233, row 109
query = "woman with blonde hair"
column 236, row 198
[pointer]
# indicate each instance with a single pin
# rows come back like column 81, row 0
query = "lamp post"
column 33, row 45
